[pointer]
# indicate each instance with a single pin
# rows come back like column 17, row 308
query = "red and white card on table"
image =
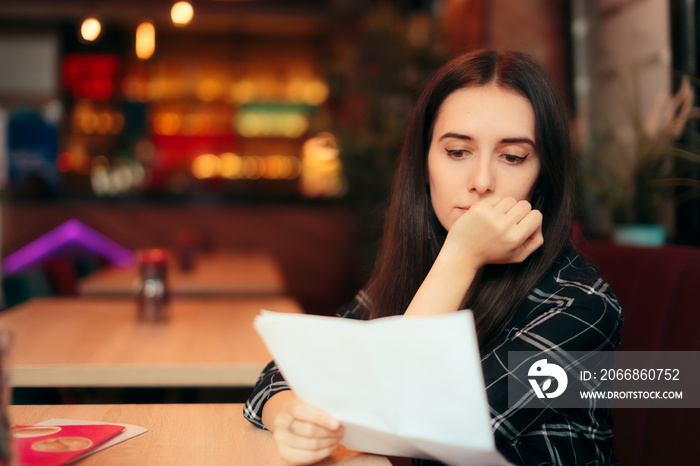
column 60, row 441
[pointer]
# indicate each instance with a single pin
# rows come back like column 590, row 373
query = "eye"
column 514, row 159
column 457, row 153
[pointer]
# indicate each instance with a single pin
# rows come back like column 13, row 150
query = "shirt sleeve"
column 566, row 313
column 270, row 382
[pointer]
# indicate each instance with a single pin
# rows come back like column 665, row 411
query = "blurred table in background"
column 93, row 342
column 218, row 273
column 180, row 434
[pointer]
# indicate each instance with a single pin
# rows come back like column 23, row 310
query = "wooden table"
column 92, row 342
column 219, row 273
column 182, row 434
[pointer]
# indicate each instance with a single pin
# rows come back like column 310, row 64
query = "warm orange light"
column 167, row 123
column 322, row 169
column 231, row 165
column 104, row 122
column 181, row 13
column 90, row 29
column 315, row 92
column 145, row 40
column 89, row 122
column 208, row 89
column 243, row 91
column 206, row 166
column 253, row 167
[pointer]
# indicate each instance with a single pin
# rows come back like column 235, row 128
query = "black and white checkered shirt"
column 571, row 310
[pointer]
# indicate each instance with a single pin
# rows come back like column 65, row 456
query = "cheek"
column 531, row 191
column 432, row 176
column 525, row 189
column 440, row 197
column 526, row 186
column 438, row 183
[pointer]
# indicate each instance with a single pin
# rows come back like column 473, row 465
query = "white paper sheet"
column 401, row 386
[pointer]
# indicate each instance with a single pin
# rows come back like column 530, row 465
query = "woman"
column 480, row 219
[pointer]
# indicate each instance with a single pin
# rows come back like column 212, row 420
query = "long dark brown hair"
column 413, row 236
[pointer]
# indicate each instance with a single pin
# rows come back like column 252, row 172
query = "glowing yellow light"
column 295, row 125
column 181, row 13
column 145, row 40
column 206, row 166
column 243, row 91
column 250, row 125
column 323, row 147
column 231, row 165
column 322, row 169
column 90, row 29
column 315, row 92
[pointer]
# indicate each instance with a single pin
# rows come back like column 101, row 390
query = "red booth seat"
column 659, row 289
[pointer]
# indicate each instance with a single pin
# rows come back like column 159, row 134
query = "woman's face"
column 483, row 145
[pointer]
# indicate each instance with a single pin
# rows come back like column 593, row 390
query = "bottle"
column 154, row 296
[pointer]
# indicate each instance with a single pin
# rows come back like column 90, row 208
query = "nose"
column 481, row 178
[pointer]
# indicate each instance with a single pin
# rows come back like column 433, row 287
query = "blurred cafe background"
column 169, row 168
column 273, row 125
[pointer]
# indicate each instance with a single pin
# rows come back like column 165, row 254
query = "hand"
column 305, row 434
column 493, row 231
column 496, row 231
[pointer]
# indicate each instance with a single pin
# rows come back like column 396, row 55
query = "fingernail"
column 332, row 423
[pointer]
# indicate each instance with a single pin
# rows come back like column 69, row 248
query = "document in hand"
column 401, row 386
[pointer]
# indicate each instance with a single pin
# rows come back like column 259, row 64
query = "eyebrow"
column 523, row 140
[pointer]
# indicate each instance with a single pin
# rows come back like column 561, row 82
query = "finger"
column 529, row 245
column 302, row 450
column 298, row 457
column 310, row 429
column 505, row 204
column 529, row 223
column 486, row 202
column 307, row 443
column 310, row 414
column 519, row 210
column 525, row 228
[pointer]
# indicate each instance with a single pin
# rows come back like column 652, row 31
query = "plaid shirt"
column 571, row 309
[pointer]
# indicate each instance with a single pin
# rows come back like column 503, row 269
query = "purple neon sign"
column 69, row 238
